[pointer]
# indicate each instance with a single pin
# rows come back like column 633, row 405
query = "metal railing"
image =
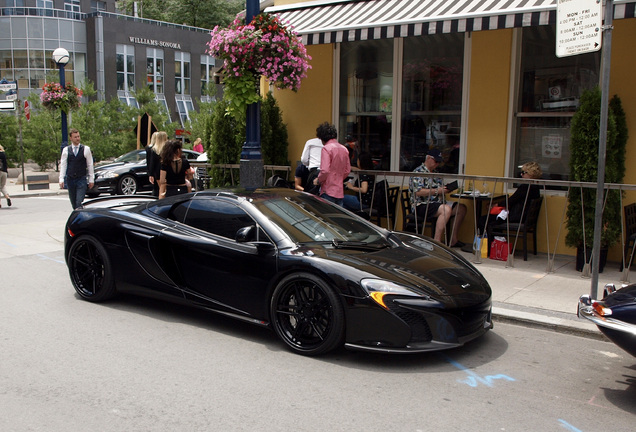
column 503, row 186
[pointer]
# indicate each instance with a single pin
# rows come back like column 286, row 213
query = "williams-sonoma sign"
column 154, row 42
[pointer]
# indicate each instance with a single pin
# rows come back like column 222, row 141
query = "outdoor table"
column 478, row 200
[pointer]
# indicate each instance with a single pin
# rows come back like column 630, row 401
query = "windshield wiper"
column 350, row 244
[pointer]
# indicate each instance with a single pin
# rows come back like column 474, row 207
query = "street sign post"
column 579, row 25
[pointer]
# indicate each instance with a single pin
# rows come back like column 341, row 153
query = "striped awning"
column 329, row 21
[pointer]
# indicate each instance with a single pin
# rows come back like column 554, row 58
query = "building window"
column 98, row 6
column 548, row 96
column 207, row 76
column 432, row 99
column 182, row 73
column 44, row 4
column 366, row 89
column 154, row 69
column 125, row 67
column 184, row 106
column 73, row 8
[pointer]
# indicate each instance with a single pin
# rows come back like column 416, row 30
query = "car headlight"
column 109, row 174
column 378, row 288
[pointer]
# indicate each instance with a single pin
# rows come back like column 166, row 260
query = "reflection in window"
column 207, row 76
column 216, row 217
column 366, row 91
column 125, row 67
column 432, row 99
column 184, row 106
column 154, row 69
column 182, row 73
column 548, row 97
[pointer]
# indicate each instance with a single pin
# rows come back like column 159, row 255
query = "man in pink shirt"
column 334, row 164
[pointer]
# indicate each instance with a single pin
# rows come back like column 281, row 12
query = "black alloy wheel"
column 90, row 270
column 127, row 185
column 307, row 314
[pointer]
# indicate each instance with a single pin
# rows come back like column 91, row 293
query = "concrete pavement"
column 523, row 293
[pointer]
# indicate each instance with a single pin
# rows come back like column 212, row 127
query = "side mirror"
column 246, row 234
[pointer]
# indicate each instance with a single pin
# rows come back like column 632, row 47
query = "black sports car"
column 316, row 274
column 615, row 315
column 126, row 175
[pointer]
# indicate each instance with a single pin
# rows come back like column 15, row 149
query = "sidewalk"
column 524, row 294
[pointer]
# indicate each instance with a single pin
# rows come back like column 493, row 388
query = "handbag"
column 499, row 249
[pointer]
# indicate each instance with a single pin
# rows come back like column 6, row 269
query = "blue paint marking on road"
column 52, row 259
column 474, row 379
column 568, row 426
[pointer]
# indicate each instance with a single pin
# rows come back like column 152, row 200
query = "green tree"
column 42, row 136
column 196, row 13
column 274, row 139
column 585, row 130
column 228, row 135
column 8, row 137
column 202, row 123
column 147, row 104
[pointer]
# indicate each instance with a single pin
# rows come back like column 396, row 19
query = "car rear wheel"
column 90, row 270
column 127, row 185
column 307, row 314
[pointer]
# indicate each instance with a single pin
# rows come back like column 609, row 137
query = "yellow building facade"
column 496, row 113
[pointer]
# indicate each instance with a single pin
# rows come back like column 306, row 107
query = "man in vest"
column 76, row 168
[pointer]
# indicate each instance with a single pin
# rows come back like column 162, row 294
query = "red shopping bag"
column 499, row 249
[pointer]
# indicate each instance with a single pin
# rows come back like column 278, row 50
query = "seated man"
column 426, row 199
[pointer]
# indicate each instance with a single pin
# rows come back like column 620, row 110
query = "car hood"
column 428, row 267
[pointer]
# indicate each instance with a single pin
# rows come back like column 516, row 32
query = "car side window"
column 217, row 217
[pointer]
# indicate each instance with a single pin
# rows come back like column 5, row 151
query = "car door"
column 215, row 269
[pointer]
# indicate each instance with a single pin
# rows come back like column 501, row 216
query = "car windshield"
column 307, row 219
column 133, row 156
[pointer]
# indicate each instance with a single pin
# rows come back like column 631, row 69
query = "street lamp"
column 61, row 58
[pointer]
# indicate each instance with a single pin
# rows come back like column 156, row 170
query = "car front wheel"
column 90, row 270
column 127, row 185
column 307, row 314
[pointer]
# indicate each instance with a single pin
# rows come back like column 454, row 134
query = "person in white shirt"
column 76, row 169
column 311, row 153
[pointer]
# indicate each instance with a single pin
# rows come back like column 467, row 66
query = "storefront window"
column 432, row 99
column 366, row 91
column 548, row 97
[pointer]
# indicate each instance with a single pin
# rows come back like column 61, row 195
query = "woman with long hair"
column 175, row 170
column 153, row 159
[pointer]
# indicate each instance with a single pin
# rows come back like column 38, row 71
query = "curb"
column 560, row 325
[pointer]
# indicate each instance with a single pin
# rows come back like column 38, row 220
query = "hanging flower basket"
column 55, row 96
column 264, row 47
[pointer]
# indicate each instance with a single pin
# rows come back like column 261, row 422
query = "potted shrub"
column 585, row 130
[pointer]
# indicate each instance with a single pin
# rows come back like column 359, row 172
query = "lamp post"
column 61, row 58
column 251, row 168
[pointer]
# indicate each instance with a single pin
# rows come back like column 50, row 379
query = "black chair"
column 528, row 225
column 630, row 234
column 409, row 222
column 379, row 210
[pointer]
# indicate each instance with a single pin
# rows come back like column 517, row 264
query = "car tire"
column 90, row 270
column 127, row 185
column 307, row 314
